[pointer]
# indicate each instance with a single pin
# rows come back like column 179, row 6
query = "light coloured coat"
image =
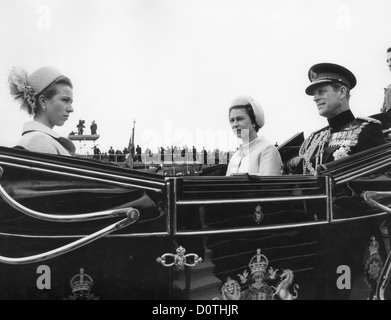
column 259, row 157
column 39, row 138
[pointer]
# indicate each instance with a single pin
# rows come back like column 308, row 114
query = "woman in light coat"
column 256, row 155
column 47, row 96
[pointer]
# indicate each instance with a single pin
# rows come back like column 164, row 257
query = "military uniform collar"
column 341, row 120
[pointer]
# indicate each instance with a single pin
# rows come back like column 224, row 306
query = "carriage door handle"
column 180, row 259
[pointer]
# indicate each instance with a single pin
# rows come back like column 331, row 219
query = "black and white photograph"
column 207, row 150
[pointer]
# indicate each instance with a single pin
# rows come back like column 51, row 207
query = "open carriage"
column 79, row 229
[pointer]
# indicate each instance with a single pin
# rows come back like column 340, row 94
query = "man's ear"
column 344, row 92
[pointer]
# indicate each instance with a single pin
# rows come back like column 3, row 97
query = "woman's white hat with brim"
column 258, row 111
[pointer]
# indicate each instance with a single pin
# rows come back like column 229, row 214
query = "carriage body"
column 105, row 232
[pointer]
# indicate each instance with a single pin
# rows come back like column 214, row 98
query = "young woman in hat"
column 47, row 96
column 256, row 155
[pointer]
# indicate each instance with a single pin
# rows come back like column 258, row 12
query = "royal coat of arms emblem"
column 260, row 282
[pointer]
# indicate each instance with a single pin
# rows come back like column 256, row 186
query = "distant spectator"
column 183, row 153
column 172, row 153
column 97, row 153
column 194, row 154
column 119, row 156
column 132, row 152
column 217, row 156
column 138, row 152
column 162, row 154
column 80, row 127
column 148, row 152
column 93, row 128
column 111, row 154
column 105, row 157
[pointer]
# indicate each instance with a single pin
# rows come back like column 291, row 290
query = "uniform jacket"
column 40, row 138
column 345, row 135
column 258, row 157
column 387, row 100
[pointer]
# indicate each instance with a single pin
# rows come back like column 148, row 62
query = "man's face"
column 328, row 100
column 389, row 60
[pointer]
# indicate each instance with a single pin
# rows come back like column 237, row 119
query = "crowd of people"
column 166, row 155
column 47, row 96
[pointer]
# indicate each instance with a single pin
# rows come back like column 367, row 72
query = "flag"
column 131, row 141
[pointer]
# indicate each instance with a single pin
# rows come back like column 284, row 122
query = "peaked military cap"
column 326, row 73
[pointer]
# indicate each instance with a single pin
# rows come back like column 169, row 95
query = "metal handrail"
column 369, row 169
column 368, row 198
column 229, row 201
column 132, row 217
column 58, row 169
column 118, row 213
column 63, row 217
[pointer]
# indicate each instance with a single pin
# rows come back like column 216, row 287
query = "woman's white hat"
column 42, row 78
column 25, row 87
column 258, row 111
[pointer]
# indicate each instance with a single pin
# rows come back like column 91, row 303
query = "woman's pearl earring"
column 44, row 108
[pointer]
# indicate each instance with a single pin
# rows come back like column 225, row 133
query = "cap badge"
column 313, row 75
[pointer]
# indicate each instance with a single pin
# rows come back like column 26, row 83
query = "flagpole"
column 129, row 160
column 133, row 144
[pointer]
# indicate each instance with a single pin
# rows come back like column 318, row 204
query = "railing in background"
column 166, row 158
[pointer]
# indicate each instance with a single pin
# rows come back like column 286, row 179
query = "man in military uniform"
column 345, row 135
column 387, row 91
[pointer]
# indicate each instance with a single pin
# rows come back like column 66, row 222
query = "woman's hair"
column 250, row 112
column 50, row 91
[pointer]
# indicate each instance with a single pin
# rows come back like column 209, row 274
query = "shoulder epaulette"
column 370, row 120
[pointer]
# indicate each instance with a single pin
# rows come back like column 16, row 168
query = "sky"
column 174, row 66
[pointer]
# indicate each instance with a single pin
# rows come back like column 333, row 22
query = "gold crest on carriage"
column 261, row 283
